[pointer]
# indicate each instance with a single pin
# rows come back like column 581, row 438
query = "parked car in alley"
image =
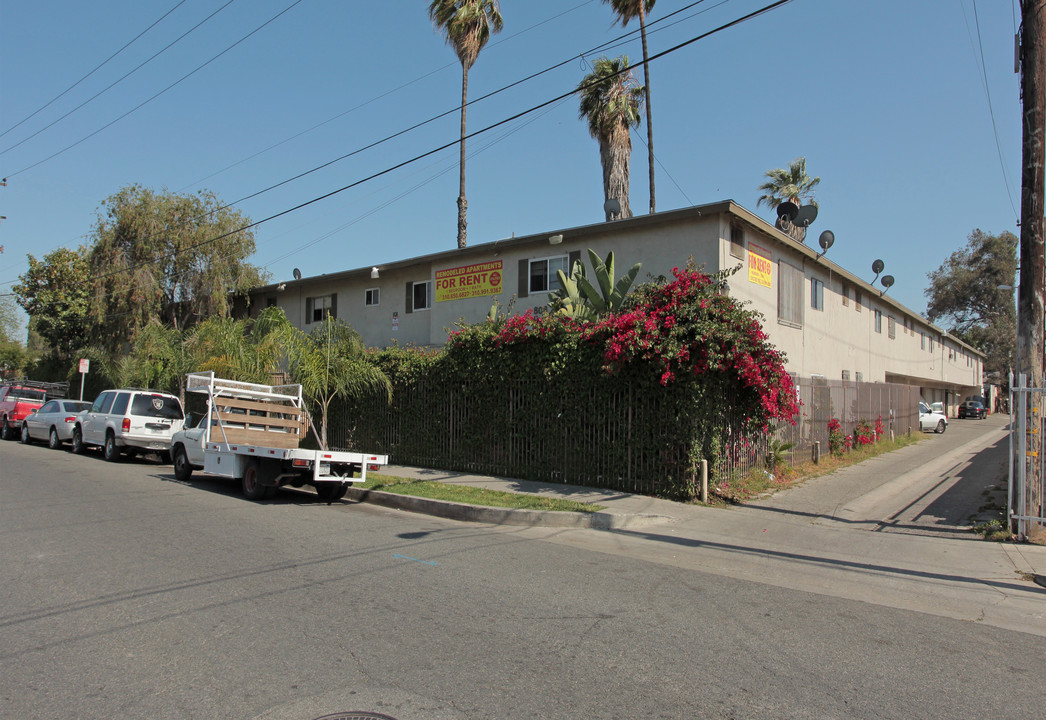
column 52, row 422
column 972, row 409
column 931, row 420
column 129, row 421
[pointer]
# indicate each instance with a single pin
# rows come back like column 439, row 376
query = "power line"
column 453, row 143
column 610, row 43
column 92, row 72
column 146, row 102
column 979, row 53
column 488, row 128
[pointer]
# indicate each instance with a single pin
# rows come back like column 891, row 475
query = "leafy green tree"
column 789, row 185
column 628, row 10
column 55, row 293
column 175, row 258
column 972, row 294
column 577, row 298
column 10, row 324
column 610, row 100
column 467, row 26
column 331, row 362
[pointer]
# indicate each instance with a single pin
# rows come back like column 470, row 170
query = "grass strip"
column 471, row 495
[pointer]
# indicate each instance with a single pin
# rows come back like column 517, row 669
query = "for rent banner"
column 759, row 265
column 468, row 281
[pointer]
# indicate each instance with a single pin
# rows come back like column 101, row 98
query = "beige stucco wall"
column 832, row 340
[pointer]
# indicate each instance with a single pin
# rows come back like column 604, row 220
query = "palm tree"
column 610, row 100
column 791, row 185
column 332, row 362
column 626, row 10
column 467, row 25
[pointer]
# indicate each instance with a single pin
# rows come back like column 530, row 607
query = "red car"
column 20, row 397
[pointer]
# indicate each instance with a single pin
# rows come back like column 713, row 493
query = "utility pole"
column 1030, row 341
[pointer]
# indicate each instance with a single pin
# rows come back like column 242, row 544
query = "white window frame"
column 428, row 296
column 879, row 321
column 816, row 294
column 368, row 297
column 551, row 279
column 320, row 303
column 790, row 294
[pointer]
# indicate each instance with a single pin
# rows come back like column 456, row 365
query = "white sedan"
column 52, row 422
column 931, row 420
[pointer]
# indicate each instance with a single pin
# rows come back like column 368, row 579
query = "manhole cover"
column 356, row 715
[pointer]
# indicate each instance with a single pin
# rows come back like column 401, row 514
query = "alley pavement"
column 893, row 530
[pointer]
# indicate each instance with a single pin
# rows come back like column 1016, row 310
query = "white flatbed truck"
column 251, row 432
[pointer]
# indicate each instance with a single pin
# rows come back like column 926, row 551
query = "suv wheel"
column 109, row 451
column 78, row 441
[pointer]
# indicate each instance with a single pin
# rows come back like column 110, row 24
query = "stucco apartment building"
column 830, row 323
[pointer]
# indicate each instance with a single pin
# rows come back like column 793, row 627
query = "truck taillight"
column 299, row 462
column 126, row 424
column 373, row 466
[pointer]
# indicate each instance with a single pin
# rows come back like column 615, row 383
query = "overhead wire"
column 153, row 97
column 979, row 54
column 582, row 55
column 558, row 99
column 96, row 68
column 745, row 18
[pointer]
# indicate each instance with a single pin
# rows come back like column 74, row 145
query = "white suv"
column 129, row 420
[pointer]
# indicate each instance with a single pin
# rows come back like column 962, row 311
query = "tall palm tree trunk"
column 615, row 159
column 463, row 204
column 649, row 121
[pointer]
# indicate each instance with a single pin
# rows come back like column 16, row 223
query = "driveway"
column 939, row 486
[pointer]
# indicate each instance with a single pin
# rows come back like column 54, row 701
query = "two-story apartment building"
column 830, row 323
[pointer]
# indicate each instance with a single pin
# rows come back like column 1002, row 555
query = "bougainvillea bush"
column 632, row 401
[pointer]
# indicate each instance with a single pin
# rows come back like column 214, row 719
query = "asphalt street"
column 124, row 593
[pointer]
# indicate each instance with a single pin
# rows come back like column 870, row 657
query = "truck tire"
column 329, row 492
column 110, row 451
column 182, row 468
column 52, row 439
column 6, row 432
column 78, row 441
column 941, row 427
column 251, row 483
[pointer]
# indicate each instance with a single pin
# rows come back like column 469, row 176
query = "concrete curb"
column 504, row 516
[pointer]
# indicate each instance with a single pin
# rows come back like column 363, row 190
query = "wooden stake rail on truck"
column 251, row 432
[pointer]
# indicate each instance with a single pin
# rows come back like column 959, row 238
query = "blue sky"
column 887, row 100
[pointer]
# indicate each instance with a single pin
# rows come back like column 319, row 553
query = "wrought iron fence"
column 622, row 440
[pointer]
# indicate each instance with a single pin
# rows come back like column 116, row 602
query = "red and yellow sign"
column 468, row 281
column 759, row 265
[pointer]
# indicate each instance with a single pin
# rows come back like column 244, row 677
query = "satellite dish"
column 807, row 214
column 878, row 266
column 826, row 240
column 887, row 281
column 787, row 211
column 297, row 274
column 612, row 207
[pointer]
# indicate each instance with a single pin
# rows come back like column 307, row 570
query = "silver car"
column 52, row 422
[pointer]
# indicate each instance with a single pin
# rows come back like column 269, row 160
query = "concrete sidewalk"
column 1001, row 584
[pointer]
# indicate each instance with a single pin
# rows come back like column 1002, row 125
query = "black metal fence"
column 624, row 440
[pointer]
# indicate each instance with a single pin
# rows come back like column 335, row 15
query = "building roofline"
column 727, row 207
